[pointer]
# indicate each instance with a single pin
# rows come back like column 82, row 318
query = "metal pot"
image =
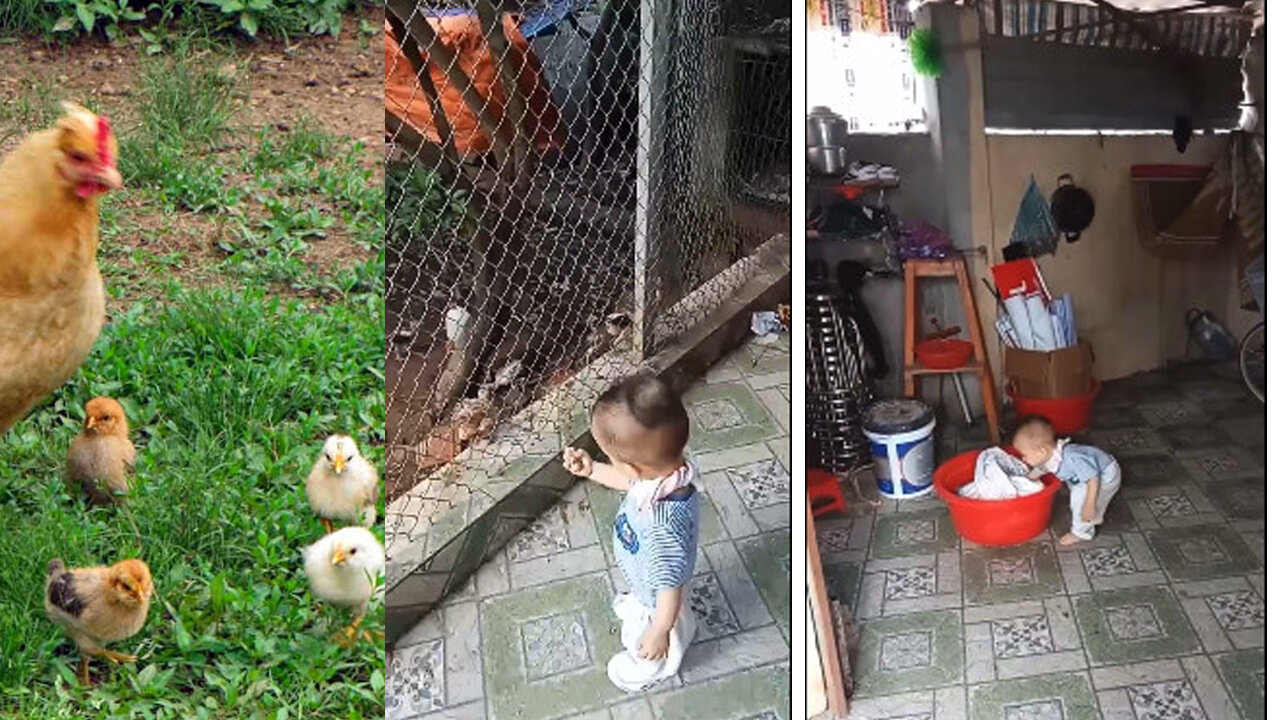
column 824, row 128
column 1071, row 208
column 827, row 160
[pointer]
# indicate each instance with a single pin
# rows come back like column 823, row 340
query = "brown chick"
column 95, row 606
column 101, row 457
column 52, row 302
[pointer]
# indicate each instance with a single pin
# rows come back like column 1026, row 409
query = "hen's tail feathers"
column 370, row 516
column 56, row 567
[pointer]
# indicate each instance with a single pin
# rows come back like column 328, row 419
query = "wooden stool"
column 952, row 267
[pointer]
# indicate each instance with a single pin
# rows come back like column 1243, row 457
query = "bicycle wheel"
column 1253, row 360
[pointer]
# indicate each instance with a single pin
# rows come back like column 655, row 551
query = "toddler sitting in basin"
column 641, row 425
column 1092, row 475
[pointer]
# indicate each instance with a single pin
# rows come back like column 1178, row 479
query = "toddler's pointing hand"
column 578, row 462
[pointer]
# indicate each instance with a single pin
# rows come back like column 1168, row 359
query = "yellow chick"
column 343, row 569
column 101, row 457
column 343, row 486
column 98, row 605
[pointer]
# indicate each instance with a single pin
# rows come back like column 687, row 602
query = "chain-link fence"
column 568, row 181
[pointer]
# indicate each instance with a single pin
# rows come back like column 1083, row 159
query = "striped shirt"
column 657, row 550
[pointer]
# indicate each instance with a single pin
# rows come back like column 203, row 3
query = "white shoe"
column 631, row 675
column 617, row 603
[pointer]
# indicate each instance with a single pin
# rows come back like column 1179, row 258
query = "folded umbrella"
column 1041, row 323
column 1020, row 320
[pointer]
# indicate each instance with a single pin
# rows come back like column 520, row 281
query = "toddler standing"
column 1092, row 475
column 641, row 426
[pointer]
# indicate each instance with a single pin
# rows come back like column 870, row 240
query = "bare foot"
column 1070, row 539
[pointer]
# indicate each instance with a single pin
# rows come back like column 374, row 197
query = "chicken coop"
column 571, row 185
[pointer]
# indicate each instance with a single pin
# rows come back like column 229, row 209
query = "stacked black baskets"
column 836, row 388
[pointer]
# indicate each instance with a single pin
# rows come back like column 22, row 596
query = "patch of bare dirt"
column 338, row 81
column 334, row 82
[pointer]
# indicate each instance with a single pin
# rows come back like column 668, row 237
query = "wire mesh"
column 569, row 182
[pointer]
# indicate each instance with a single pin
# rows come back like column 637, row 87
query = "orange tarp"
column 461, row 35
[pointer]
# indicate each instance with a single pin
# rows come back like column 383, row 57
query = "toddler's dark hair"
column 1037, row 423
column 650, row 402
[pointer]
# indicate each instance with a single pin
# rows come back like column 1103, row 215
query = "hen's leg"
column 328, row 525
column 84, row 670
column 119, row 658
column 346, row 637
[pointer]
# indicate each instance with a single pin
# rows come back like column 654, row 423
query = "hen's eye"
column 77, row 156
column 354, row 550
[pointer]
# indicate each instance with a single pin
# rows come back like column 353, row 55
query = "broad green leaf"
column 86, row 16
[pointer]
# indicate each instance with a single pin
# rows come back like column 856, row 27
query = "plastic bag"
column 922, row 240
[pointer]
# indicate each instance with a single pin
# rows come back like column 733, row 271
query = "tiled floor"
column 530, row 635
column 1161, row 617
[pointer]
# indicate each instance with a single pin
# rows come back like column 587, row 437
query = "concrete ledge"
column 445, row 528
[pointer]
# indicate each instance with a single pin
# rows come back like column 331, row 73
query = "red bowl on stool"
column 944, row 354
column 992, row 522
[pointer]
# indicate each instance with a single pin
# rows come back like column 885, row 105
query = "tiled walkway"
column 1161, row 617
column 531, row 633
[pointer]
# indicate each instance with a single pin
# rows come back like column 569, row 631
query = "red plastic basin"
column 1067, row 415
column 992, row 522
column 944, row 354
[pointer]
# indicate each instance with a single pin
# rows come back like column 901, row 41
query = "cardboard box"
column 1057, row 374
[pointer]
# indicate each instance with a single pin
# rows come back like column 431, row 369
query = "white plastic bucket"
column 902, row 451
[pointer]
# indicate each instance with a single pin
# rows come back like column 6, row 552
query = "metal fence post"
column 654, row 51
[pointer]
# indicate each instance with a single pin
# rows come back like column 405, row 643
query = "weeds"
column 68, row 19
column 25, row 16
column 306, row 183
column 35, row 108
column 186, row 98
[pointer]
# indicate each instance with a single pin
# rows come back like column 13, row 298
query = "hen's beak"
column 110, row 177
column 90, row 423
column 339, row 556
column 339, row 463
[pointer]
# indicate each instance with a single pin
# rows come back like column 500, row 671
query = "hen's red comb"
column 104, row 145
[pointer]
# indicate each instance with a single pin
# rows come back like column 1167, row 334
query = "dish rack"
column 836, row 388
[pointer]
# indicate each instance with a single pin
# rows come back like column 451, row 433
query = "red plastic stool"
column 825, row 497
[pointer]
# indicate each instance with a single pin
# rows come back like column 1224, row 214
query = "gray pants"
column 1108, row 486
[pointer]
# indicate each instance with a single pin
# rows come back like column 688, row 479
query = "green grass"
column 231, row 394
column 23, row 16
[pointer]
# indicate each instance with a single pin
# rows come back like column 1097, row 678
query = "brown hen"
column 52, row 303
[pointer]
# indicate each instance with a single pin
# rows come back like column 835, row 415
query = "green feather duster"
column 926, row 52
